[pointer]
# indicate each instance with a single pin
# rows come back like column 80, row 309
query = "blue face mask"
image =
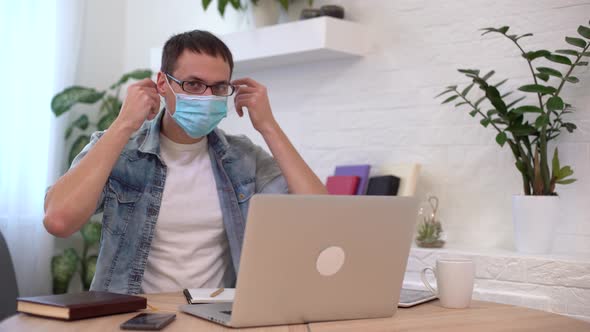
column 198, row 115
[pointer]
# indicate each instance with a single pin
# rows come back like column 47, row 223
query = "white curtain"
column 40, row 41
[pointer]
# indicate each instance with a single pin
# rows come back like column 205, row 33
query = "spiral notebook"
column 203, row 295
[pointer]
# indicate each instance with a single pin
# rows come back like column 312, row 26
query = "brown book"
column 80, row 305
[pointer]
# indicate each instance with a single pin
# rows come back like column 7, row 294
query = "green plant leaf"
column 82, row 123
column 491, row 112
column 110, row 105
column 221, row 4
column 536, row 54
column 479, row 101
column 568, row 52
column 555, row 103
column 543, row 76
column 516, row 101
column 521, row 130
column 451, row 98
column 461, row 103
column 485, row 122
column 473, row 113
column 77, row 147
column 284, row 4
column 570, row 127
column 64, row 100
column 572, row 79
column 488, row 75
column 527, row 109
column 90, row 271
column 555, row 163
column 471, row 72
column 91, row 233
column 576, row 41
column 549, row 71
column 105, row 121
column 466, row 90
column 236, row 4
column 542, row 120
column 564, row 172
column 206, row 4
column 69, row 131
column 523, row 36
column 584, row 31
column 443, row 93
column 537, row 88
column 63, row 268
column 500, row 83
column 568, row 181
column 138, row 74
column 559, row 59
column 494, row 97
column 501, row 138
column 582, row 63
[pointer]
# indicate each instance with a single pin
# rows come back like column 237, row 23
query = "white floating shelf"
column 317, row 39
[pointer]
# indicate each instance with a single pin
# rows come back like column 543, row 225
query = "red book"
column 342, row 184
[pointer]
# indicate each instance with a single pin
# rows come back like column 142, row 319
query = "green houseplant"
column 528, row 128
column 109, row 105
column 64, row 266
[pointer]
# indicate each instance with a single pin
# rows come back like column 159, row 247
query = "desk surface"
column 481, row 316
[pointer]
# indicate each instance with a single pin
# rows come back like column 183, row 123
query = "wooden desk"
column 482, row 316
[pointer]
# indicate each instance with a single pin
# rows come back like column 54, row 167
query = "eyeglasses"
column 198, row 87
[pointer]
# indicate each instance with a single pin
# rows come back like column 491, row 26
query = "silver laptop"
column 310, row 258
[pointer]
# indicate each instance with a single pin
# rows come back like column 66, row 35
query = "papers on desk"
column 203, row 295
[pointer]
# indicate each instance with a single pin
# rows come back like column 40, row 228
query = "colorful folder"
column 362, row 171
column 342, row 185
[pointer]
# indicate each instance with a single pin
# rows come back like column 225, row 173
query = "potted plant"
column 527, row 128
column 261, row 13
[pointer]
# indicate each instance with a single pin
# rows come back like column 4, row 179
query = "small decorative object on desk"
column 430, row 233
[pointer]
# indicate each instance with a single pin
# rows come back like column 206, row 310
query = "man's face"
column 191, row 66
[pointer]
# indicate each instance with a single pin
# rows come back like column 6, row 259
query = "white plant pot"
column 264, row 14
column 534, row 220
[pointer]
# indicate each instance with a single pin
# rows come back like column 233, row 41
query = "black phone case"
column 130, row 325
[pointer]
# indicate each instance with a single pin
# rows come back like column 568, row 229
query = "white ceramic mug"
column 454, row 279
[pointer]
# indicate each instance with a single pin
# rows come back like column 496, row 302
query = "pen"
column 217, row 292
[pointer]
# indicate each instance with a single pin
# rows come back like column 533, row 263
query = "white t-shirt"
column 189, row 248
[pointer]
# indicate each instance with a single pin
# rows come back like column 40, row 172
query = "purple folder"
column 362, row 171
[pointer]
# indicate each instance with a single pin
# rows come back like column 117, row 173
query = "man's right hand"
column 142, row 102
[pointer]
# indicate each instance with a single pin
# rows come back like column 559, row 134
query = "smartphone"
column 411, row 297
column 148, row 321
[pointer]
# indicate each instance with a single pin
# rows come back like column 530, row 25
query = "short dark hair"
column 199, row 41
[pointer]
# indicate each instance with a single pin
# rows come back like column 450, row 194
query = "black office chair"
column 8, row 285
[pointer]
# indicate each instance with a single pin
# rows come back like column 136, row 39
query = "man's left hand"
column 254, row 96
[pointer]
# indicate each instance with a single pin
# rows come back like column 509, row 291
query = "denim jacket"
column 131, row 200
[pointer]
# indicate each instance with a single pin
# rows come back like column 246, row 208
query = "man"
column 174, row 191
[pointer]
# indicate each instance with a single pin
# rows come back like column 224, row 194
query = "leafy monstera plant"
column 109, row 107
column 65, row 266
column 527, row 129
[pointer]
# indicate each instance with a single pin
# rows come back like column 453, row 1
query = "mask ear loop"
column 162, row 99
